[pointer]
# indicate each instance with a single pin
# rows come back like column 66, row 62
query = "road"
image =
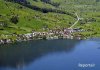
column 76, row 21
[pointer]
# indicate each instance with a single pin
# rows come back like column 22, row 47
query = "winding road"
column 78, row 18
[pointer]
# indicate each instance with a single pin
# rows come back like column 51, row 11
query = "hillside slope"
column 25, row 16
column 28, row 19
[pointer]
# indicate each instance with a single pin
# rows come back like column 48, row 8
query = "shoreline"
column 12, row 42
column 41, row 36
column 49, row 35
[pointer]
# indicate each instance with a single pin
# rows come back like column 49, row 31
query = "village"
column 50, row 35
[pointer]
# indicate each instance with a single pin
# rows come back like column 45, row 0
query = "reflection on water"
column 49, row 55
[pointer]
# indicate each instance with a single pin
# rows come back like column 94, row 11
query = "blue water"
column 50, row 55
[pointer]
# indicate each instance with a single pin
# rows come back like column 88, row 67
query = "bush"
column 14, row 19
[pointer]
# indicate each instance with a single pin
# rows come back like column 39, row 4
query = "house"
column 3, row 24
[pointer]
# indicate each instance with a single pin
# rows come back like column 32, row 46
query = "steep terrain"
column 28, row 19
column 23, row 16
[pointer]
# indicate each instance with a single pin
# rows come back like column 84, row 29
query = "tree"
column 46, row 1
column 14, row 19
column 97, row 0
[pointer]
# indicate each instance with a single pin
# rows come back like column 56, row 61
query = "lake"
column 51, row 55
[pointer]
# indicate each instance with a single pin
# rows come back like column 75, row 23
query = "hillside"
column 21, row 16
column 29, row 18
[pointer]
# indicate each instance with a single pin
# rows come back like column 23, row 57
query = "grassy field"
column 29, row 19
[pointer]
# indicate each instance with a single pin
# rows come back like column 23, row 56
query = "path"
column 76, row 21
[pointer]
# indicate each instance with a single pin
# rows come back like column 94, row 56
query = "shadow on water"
column 12, row 55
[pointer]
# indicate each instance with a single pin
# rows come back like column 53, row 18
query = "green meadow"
column 21, row 18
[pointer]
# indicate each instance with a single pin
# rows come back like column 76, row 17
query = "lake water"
column 51, row 55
